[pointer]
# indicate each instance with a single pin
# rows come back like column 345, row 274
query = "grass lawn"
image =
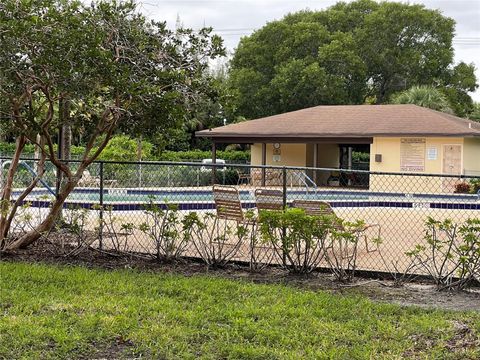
column 72, row 312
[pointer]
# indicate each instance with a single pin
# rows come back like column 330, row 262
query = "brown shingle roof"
column 350, row 121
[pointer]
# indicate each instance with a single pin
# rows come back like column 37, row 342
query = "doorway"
column 451, row 165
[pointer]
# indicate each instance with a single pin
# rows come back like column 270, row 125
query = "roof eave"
column 320, row 136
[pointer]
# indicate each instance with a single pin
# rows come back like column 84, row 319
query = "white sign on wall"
column 412, row 154
column 432, row 153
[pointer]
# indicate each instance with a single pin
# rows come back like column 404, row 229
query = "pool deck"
column 401, row 217
column 401, row 230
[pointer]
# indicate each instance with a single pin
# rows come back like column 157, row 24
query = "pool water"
column 198, row 197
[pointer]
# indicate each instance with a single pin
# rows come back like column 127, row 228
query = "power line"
column 247, row 31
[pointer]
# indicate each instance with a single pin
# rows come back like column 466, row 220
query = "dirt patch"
column 421, row 294
column 120, row 348
column 463, row 339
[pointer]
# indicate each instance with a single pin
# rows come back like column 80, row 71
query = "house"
column 399, row 138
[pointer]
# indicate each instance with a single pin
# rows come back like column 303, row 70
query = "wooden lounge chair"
column 269, row 199
column 227, row 203
column 323, row 208
column 229, row 208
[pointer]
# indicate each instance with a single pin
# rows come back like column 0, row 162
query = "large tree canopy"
column 347, row 54
column 114, row 67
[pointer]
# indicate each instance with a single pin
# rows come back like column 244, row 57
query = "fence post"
column 100, row 227
column 214, row 161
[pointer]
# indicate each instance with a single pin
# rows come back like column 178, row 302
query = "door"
column 452, row 165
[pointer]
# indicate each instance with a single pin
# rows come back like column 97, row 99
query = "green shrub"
column 198, row 155
column 7, row 149
column 124, row 148
column 475, row 185
column 297, row 238
column 360, row 156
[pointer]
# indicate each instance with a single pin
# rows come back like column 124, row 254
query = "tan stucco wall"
column 291, row 155
column 471, row 156
column 301, row 155
column 328, row 157
column 389, row 148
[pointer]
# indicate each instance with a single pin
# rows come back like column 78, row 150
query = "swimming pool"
column 194, row 199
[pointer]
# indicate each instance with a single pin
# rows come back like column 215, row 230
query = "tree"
column 210, row 110
column 112, row 65
column 475, row 114
column 458, row 81
column 425, row 96
column 345, row 54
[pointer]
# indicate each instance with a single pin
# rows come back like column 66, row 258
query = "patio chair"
column 273, row 177
column 227, row 203
column 269, row 199
column 229, row 208
column 87, row 180
column 243, row 178
column 323, row 208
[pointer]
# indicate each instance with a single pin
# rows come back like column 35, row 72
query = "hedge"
column 237, row 156
column 197, row 155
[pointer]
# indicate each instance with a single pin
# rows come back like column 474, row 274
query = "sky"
column 233, row 19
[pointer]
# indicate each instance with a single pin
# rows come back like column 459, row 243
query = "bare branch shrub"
column 451, row 255
column 399, row 275
column 117, row 231
column 341, row 256
column 219, row 243
column 170, row 234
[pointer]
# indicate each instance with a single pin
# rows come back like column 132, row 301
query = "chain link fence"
column 381, row 222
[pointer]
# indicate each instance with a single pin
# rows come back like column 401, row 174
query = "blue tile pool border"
column 210, row 205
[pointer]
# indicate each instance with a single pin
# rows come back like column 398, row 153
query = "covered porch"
column 324, row 153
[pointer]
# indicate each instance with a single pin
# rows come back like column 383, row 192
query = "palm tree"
column 426, row 96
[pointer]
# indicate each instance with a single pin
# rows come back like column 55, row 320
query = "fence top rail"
column 249, row 166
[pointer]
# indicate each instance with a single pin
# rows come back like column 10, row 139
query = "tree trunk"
column 37, row 153
column 66, row 132
column 7, row 189
column 139, row 158
column 66, row 141
column 46, row 225
column 27, row 191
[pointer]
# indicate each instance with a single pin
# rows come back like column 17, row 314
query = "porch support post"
column 315, row 161
column 349, row 158
column 349, row 164
column 264, row 162
column 214, row 161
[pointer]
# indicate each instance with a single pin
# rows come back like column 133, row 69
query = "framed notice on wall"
column 412, row 154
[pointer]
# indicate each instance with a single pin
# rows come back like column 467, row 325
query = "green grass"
column 70, row 312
